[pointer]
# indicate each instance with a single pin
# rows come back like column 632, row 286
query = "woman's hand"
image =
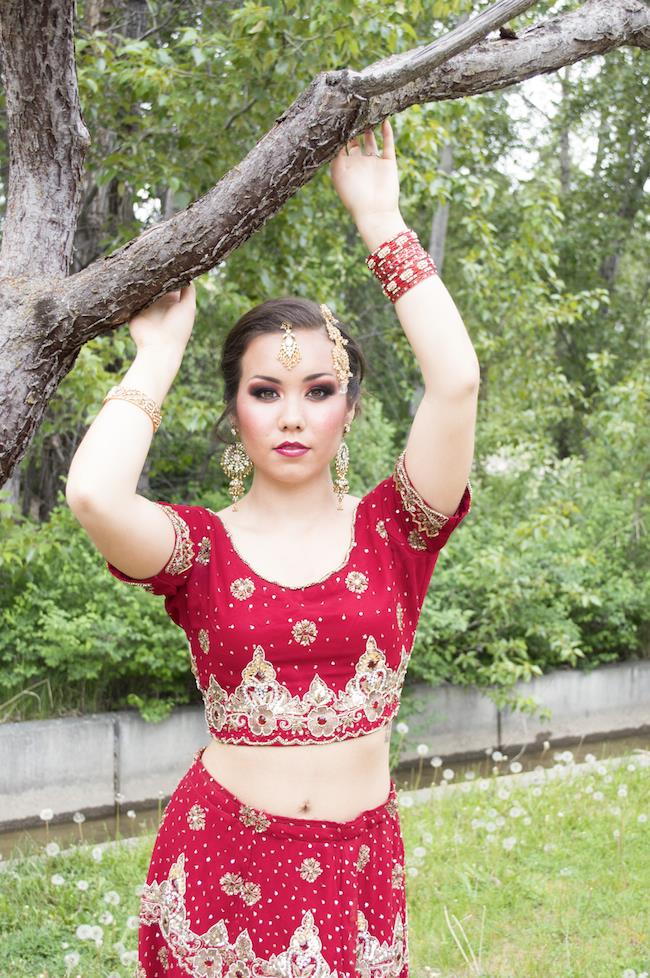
column 166, row 325
column 368, row 185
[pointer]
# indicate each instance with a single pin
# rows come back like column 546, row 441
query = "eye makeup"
column 326, row 390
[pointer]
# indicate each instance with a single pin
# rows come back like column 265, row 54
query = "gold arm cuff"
column 140, row 399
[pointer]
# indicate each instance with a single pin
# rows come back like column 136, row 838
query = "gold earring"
column 342, row 461
column 236, row 464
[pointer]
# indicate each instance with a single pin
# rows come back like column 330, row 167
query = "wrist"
column 377, row 228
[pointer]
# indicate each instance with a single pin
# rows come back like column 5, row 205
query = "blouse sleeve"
column 191, row 547
column 407, row 520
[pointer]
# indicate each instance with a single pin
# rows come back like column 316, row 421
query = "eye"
column 324, row 391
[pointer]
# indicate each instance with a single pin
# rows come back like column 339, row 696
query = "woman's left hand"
column 368, row 184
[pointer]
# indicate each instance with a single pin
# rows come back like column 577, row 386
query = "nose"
column 291, row 416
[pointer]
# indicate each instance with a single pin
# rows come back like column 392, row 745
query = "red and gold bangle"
column 400, row 263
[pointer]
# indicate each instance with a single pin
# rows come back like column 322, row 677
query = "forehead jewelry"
column 289, row 354
column 339, row 353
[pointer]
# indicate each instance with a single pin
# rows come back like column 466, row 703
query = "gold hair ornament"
column 339, row 353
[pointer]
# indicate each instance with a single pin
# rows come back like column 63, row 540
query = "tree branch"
column 308, row 135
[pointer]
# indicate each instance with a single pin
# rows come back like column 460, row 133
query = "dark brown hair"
column 266, row 318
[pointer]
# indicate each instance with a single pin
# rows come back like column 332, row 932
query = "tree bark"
column 45, row 317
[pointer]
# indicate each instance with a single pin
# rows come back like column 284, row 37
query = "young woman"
column 280, row 852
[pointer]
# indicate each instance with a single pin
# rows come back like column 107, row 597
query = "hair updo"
column 266, row 318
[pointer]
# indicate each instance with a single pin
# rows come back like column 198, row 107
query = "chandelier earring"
column 236, row 464
column 342, row 461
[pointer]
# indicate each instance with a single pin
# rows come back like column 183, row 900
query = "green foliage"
column 551, row 568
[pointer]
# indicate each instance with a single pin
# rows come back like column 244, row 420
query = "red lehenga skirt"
column 236, row 892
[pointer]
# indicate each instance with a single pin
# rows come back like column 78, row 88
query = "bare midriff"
column 335, row 781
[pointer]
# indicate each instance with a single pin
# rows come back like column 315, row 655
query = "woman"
column 272, row 861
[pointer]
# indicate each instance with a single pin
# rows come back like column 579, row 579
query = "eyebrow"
column 274, row 380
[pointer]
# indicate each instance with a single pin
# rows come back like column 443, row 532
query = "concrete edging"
column 83, row 763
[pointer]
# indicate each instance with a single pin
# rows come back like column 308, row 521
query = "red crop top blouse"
column 313, row 664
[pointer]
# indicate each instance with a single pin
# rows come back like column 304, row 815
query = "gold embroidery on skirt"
column 310, row 869
column 397, row 876
column 363, row 857
column 204, row 639
column 253, row 818
column 162, row 905
column 233, row 884
column 400, row 616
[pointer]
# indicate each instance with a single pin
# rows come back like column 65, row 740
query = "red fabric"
column 231, row 885
column 324, row 662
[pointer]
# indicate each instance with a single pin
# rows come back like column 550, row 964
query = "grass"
column 545, row 875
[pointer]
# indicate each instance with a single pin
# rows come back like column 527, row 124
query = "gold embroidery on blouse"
column 163, row 957
column 305, row 631
column 363, row 857
column 162, row 905
column 428, row 520
column 203, row 555
column 261, row 705
column 310, row 869
column 400, row 616
column 196, row 817
column 356, row 582
column 183, row 553
column 253, row 818
column 194, row 668
column 416, row 540
column 397, row 876
column 392, row 807
column 380, row 527
column 145, row 587
column 204, row 639
column 242, row 588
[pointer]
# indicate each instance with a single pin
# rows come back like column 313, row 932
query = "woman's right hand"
column 167, row 323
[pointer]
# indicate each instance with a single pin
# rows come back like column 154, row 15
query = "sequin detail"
column 310, row 869
column 242, row 588
column 397, row 876
column 196, row 817
column 234, row 885
column 203, row 555
column 305, row 631
column 356, row 582
column 213, row 954
column 363, row 857
column 262, row 705
column 204, row 639
column 399, row 611
column 428, row 520
column 183, row 553
column 253, row 818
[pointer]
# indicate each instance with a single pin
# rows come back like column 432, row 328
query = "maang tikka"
column 289, row 354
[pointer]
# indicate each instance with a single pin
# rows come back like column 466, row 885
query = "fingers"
column 370, row 143
column 388, row 149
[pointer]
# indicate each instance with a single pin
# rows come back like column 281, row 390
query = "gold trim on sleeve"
column 428, row 520
column 182, row 556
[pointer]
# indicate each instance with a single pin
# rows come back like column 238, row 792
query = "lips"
column 291, row 444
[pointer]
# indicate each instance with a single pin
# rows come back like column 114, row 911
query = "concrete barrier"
column 83, row 762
